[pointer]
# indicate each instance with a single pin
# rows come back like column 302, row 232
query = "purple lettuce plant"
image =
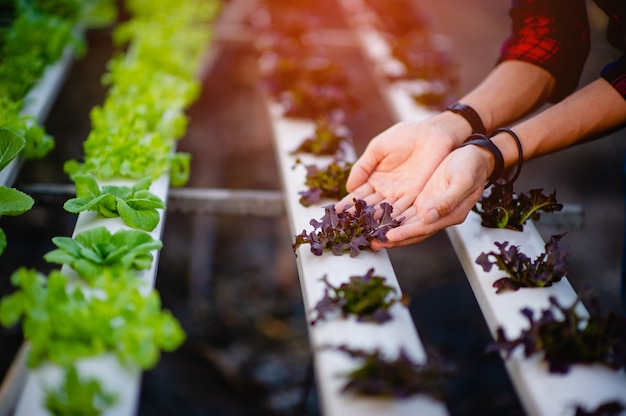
column 329, row 182
column 565, row 338
column 549, row 267
column 503, row 208
column 400, row 377
column 368, row 297
column 344, row 231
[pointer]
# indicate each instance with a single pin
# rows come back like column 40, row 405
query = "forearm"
column 585, row 115
column 512, row 90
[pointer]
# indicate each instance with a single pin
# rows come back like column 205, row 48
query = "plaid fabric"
column 535, row 42
column 553, row 34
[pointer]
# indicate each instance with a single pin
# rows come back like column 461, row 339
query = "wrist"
column 495, row 164
column 470, row 115
column 454, row 124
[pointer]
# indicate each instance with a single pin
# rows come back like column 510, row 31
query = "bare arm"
column 456, row 185
column 397, row 163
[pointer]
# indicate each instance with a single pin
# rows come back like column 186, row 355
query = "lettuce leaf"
column 11, row 144
column 135, row 205
column 95, row 250
column 64, row 323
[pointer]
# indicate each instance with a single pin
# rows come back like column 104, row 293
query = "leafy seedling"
column 36, row 142
column 92, row 251
column 399, row 377
column 11, row 144
column 344, row 231
column 329, row 182
column 78, row 396
column 549, row 267
column 503, row 208
column 565, row 338
column 12, row 202
column 63, row 323
column 305, row 81
column 136, row 205
column 367, row 297
column 327, row 140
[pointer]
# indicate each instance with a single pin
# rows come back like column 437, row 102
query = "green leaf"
column 145, row 200
column 68, row 245
column 91, row 255
column 78, row 396
column 107, row 206
column 76, row 205
column 179, row 169
column 11, row 309
column 63, row 326
column 11, row 144
column 86, row 186
column 136, row 205
column 59, row 257
column 142, row 184
column 92, row 236
column 95, row 250
column 146, row 219
column 14, row 202
column 3, row 241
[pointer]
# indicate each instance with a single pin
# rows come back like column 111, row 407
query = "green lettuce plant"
column 64, row 322
column 136, row 205
column 78, row 395
column 95, row 250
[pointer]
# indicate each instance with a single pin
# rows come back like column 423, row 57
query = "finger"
column 409, row 212
column 450, row 204
column 360, row 193
column 379, row 245
column 399, row 205
column 361, row 170
column 373, row 199
column 414, row 230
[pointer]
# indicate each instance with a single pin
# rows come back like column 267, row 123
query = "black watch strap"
column 469, row 114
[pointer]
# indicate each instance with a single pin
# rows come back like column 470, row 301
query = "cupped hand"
column 397, row 164
column 446, row 199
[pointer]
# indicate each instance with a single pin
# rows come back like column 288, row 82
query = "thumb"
column 449, row 203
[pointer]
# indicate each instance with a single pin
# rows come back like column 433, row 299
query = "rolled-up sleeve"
column 615, row 74
column 552, row 34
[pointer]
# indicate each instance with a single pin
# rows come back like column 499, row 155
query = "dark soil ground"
column 231, row 280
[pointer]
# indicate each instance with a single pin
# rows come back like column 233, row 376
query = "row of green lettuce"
column 34, row 34
column 151, row 80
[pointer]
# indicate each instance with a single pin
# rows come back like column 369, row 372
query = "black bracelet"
column 520, row 152
column 469, row 114
column 484, row 141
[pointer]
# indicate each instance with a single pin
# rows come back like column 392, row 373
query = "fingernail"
column 431, row 216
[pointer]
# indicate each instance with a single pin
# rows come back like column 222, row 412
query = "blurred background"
column 231, row 279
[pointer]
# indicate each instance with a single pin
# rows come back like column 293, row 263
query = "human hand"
column 446, row 199
column 397, row 163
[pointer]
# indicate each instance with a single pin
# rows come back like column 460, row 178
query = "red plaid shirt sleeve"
column 552, row 34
